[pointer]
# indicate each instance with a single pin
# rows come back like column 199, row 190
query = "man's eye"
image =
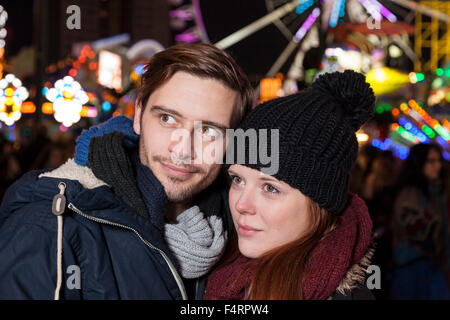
column 271, row 189
column 167, row 119
column 209, row 132
column 236, row 179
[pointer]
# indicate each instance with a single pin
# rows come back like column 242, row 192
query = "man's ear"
column 137, row 119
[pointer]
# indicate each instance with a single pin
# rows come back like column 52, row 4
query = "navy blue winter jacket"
column 108, row 251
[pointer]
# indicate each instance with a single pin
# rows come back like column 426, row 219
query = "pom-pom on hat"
column 317, row 140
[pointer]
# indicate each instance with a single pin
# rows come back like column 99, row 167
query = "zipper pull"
column 59, row 200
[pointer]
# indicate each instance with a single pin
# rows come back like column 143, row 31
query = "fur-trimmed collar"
column 356, row 275
column 73, row 171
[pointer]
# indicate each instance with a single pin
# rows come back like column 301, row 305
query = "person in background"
column 379, row 193
column 299, row 234
column 10, row 168
column 382, row 175
column 420, row 228
column 361, row 168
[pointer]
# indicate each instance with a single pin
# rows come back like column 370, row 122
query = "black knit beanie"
column 317, row 140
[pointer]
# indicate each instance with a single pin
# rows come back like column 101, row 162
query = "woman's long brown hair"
column 279, row 274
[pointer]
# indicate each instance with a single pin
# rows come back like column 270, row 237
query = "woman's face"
column 267, row 213
column 433, row 165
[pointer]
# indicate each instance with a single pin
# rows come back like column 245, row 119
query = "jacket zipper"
column 196, row 289
column 148, row 244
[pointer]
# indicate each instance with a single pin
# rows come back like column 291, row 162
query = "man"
column 134, row 215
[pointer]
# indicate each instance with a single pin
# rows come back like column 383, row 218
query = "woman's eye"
column 167, row 119
column 271, row 189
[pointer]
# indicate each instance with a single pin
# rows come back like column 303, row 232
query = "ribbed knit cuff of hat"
column 196, row 242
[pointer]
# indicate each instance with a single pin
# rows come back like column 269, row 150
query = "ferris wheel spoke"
column 270, row 5
column 405, row 47
column 256, row 25
column 282, row 58
column 277, row 3
column 283, row 29
column 290, row 18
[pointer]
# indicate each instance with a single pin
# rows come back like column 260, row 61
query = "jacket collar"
column 94, row 197
column 71, row 170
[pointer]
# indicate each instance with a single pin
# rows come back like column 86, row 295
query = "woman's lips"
column 246, row 231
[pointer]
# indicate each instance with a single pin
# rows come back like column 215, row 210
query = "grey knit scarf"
column 196, row 242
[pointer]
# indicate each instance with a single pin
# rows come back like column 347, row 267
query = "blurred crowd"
column 33, row 147
column 407, row 199
column 408, row 202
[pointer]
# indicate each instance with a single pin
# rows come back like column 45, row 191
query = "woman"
column 420, row 228
column 299, row 233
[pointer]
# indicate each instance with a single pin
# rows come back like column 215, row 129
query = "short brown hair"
column 201, row 60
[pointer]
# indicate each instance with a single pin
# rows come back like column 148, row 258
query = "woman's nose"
column 245, row 203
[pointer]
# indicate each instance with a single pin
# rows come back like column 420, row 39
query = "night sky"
column 256, row 53
column 19, row 25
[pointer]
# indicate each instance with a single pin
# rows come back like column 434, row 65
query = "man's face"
column 171, row 109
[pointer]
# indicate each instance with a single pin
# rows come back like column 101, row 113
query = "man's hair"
column 201, row 60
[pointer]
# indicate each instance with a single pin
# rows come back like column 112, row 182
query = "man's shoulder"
column 20, row 192
column 29, row 199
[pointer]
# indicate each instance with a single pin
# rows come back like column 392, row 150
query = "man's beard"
column 177, row 189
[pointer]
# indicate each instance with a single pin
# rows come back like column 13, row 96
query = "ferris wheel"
column 301, row 22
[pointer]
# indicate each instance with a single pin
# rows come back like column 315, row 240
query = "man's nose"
column 182, row 149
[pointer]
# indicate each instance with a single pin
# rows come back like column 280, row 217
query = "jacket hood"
column 83, row 189
column 91, row 193
column 73, row 171
column 41, row 185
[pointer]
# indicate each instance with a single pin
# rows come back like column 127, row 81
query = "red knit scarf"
column 328, row 263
